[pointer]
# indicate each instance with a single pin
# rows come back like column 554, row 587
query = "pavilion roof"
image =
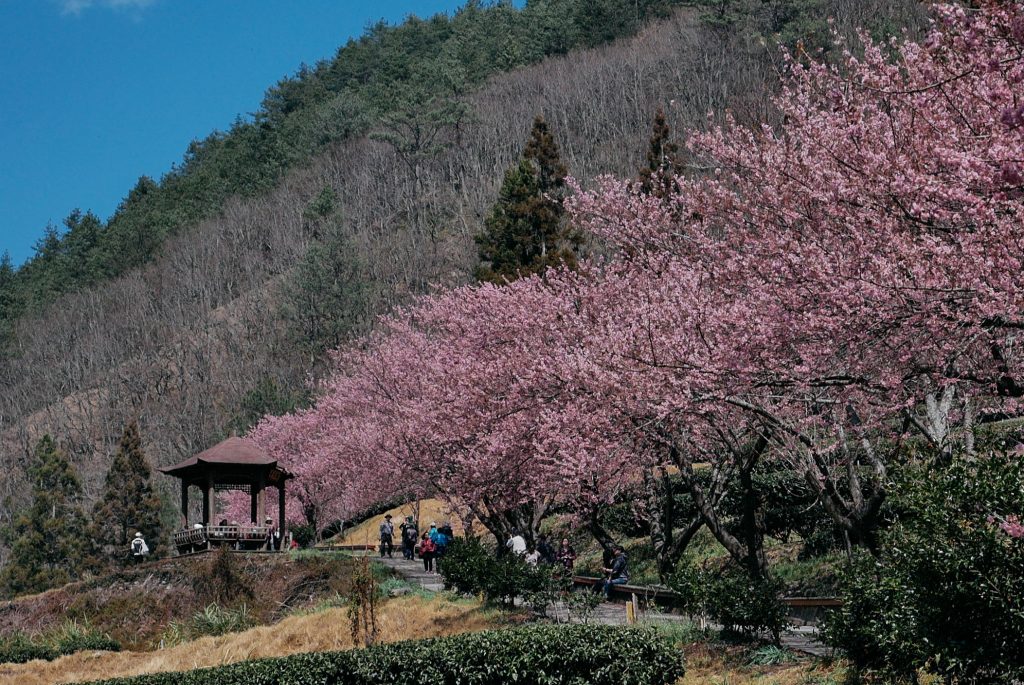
column 232, row 453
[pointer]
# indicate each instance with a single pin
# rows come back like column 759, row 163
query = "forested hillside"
column 210, row 297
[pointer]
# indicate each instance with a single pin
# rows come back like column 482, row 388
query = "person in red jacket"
column 427, row 550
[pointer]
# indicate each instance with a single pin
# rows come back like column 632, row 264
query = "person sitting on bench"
column 617, row 574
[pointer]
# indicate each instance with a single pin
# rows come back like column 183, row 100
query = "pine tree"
column 526, row 231
column 658, row 177
column 48, row 538
column 127, row 504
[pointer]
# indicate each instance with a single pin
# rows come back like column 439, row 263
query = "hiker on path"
column 566, row 555
column 409, row 535
column 139, row 548
column 387, row 534
column 440, row 540
column 427, row 552
column 617, row 573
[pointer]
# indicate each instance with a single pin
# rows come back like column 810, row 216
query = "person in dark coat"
column 566, row 556
column 617, row 573
column 387, row 535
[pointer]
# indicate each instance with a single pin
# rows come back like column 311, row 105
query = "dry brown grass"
column 708, row 664
column 403, row 618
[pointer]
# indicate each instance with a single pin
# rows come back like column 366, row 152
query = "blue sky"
column 95, row 93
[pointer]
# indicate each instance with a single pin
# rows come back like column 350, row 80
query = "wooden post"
column 630, row 613
column 280, row 512
column 261, row 509
column 253, row 503
column 184, row 503
column 208, row 505
column 212, row 521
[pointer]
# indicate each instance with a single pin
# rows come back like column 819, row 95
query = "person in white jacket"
column 139, row 548
column 517, row 543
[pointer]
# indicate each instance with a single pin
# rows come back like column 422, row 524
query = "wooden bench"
column 801, row 610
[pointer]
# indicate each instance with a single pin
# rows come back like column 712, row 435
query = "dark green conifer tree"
column 526, row 231
column 658, row 177
column 127, row 504
column 47, row 539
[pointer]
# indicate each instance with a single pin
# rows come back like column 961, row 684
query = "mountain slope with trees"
column 226, row 320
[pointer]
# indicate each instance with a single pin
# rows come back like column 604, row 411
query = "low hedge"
column 19, row 648
column 535, row 655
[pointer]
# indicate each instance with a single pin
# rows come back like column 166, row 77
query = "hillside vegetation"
column 250, row 260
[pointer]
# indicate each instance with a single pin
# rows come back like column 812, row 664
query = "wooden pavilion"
column 235, row 464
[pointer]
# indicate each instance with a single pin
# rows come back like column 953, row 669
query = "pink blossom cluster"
column 839, row 277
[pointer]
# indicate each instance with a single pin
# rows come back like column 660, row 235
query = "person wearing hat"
column 387, row 534
column 139, row 548
column 409, row 535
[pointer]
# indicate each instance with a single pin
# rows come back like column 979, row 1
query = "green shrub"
column 472, row 568
column 71, row 637
column 946, row 593
column 744, row 606
column 212, row 620
column 535, row 655
column 19, row 648
column 77, row 637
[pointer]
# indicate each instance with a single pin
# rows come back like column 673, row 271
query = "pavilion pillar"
column 280, row 511
column 184, row 503
column 261, row 507
column 209, row 506
column 253, row 503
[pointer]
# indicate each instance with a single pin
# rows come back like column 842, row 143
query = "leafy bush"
column 212, row 620
column 472, row 568
column 552, row 655
column 947, row 592
column 18, row 648
column 77, row 637
column 745, row 607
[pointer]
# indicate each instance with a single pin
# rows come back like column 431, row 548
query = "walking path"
column 800, row 639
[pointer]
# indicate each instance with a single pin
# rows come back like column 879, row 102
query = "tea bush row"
column 534, row 655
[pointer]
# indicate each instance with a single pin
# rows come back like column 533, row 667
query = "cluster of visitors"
column 430, row 547
column 542, row 552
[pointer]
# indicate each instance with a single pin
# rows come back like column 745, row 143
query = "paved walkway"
column 800, row 639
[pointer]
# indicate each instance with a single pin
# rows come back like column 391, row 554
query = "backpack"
column 139, row 546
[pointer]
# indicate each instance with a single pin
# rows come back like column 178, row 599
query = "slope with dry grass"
column 403, row 618
column 135, row 606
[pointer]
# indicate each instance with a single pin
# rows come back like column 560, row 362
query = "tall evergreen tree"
column 526, row 231
column 127, row 504
column 658, row 177
column 48, row 538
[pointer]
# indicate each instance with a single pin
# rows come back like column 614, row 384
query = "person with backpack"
column 387, row 534
column 409, row 535
column 440, row 540
column 139, row 548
